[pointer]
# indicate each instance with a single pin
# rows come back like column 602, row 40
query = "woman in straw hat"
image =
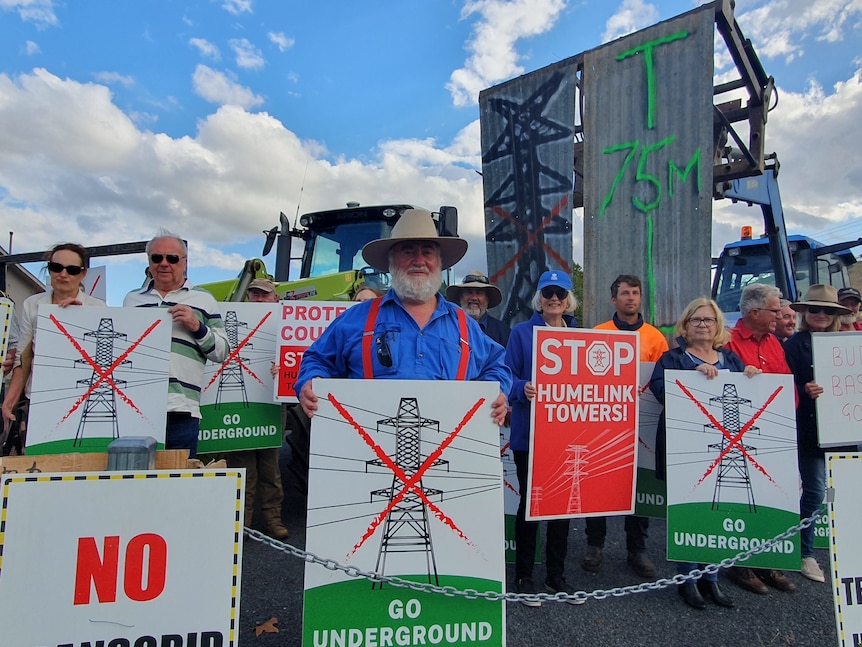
column 819, row 313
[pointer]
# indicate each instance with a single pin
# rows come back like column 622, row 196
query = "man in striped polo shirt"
column 197, row 335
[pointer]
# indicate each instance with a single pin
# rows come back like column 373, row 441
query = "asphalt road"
column 272, row 588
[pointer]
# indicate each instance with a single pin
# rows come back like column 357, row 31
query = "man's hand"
column 499, row 408
column 308, row 401
column 9, row 362
column 185, row 316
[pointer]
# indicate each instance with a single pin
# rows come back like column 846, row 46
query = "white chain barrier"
column 472, row 594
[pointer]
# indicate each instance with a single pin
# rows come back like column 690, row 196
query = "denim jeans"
column 812, row 470
column 182, row 433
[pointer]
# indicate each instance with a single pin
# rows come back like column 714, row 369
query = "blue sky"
column 117, row 118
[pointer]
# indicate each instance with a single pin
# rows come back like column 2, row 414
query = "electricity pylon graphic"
column 101, row 404
column 733, row 468
column 231, row 378
column 406, row 527
column 575, row 470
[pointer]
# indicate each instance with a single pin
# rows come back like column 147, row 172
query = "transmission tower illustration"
column 733, row 468
column 101, row 404
column 231, row 378
column 575, row 470
column 406, row 528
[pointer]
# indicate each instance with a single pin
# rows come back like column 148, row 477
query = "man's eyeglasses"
column 476, row 278
column 173, row 259
column 702, row 321
column 384, row 356
column 816, row 310
column 552, row 291
column 71, row 270
column 775, row 311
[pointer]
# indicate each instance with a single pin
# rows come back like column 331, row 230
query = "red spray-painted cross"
column 234, row 355
column 104, row 375
column 410, row 483
column 733, row 440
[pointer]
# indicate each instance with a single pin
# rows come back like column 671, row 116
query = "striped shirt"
column 189, row 351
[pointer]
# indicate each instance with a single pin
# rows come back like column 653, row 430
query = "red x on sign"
column 410, row 483
column 732, row 440
column 531, row 238
column 234, row 354
column 104, row 375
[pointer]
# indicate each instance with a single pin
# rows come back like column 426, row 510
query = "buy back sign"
column 583, row 445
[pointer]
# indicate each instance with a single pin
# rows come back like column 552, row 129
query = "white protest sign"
column 732, row 479
column 838, row 369
column 302, row 322
column 404, row 480
column 237, row 408
column 99, row 373
column 96, row 284
column 142, row 558
column 650, row 492
column 844, row 473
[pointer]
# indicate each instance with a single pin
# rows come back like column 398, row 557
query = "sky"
column 210, row 117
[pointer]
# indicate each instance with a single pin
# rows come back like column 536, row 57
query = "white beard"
column 847, row 320
column 415, row 287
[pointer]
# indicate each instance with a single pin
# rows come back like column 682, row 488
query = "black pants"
column 636, row 532
column 557, row 538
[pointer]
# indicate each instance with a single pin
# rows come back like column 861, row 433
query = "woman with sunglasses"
column 701, row 337
column 553, row 304
column 67, row 269
column 819, row 313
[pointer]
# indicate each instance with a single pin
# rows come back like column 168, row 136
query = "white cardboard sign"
column 137, row 554
column 838, row 369
column 844, row 472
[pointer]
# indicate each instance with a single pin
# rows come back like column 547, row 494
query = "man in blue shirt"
column 413, row 333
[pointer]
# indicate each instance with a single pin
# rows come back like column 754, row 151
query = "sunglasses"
column 553, row 291
column 816, row 310
column 476, row 278
column 173, row 259
column 71, row 270
column 384, row 355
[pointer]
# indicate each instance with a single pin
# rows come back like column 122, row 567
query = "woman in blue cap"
column 554, row 304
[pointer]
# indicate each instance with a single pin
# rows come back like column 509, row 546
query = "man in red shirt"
column 753, row 339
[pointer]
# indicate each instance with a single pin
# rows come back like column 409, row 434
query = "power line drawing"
column 733, row 467
column 406, row 528
column 231, row 377
column 101, row 404
column 575, row 471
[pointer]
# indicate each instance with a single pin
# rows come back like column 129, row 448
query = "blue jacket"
column 519, row 358
column 676, row 359
column 432, row 353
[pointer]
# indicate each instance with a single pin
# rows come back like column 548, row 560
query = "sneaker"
column 642, row 565
column 592, row 560
column 559, row 585
column 525, row 586
column 811, row 569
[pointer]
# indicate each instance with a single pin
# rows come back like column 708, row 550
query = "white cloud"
column 206, row 48
column 216, row 87
column 630, row 17
column 110, row 78
column 493, row 57
column 31, row 48
column 39, row 12
column 247, row 55
column 282, row 41
column 237, row 7
column 780, row 28
column 113, row 182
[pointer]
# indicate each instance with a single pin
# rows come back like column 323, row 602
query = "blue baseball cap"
column 555, row 277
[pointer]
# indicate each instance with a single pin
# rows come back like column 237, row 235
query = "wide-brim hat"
column 414, row 225
column 822, row 296
column 475, row 280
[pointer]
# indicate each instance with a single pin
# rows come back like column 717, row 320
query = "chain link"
column 472, row 594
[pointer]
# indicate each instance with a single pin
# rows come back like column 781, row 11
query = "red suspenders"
column 368, row 341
